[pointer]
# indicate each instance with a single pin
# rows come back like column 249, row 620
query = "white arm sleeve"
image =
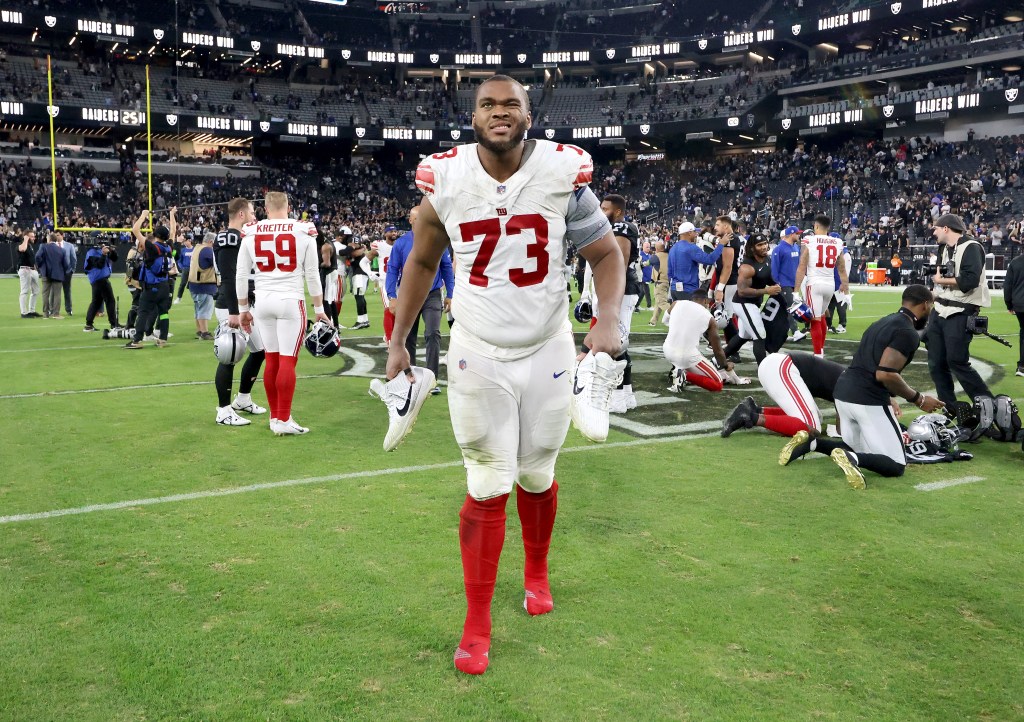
column 364, row 263
column 243, row 266
column 311, row 269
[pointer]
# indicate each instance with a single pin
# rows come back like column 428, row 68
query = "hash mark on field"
column 933, row 485
column 230, row 491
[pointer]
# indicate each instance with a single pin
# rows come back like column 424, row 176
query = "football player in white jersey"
column 381, row 250
column 815, row 277
column 688, row 323
column 283, row 252
column 509, row 206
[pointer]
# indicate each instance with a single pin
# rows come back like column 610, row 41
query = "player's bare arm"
column 430, row 239
column 174, row 222
column 728, row 257
column 137, row 226
column 888, row 374
column 605, row 258
column 715, row 340
column 844, row 278
column 801, row 269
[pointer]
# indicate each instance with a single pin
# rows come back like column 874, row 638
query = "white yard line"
column 230, row 491
column 932, row 486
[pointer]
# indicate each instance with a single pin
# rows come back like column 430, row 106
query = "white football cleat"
column 247, row 405
column 404, row 401
column 227, row 417
column 595, row 378
column 287, row 428
column 617, row 404
column 731, row 377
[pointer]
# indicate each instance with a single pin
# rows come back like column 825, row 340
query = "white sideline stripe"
column 932, row 486
column 169, row 384
column 61, row 348
column 230, row 491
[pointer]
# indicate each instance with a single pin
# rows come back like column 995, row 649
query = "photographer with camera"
column 1013, row 295
column 155, row 299
column 960, row 292
column 99, row 262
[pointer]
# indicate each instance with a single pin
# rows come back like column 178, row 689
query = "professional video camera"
column 125, row 333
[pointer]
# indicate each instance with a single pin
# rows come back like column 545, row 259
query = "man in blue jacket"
column 785, row 258
column 433, row 306
column 684, row 261
column 53, row 269
column 99, row 262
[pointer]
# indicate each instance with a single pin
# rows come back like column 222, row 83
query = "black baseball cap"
column 162, row 232
column 951, row 221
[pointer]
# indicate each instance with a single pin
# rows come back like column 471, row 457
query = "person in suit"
column 52, row 265
column 71, row 263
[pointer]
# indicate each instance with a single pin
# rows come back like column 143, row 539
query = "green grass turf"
column 694, row 578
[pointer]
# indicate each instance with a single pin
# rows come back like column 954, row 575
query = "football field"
column 156, row 566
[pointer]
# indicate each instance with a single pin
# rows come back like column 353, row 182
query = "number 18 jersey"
column 823, row 253
column 282, row 252
column 509, row 239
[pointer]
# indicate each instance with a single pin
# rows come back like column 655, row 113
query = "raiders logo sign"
column 50, row 21
column 549, row 133
column 521, row 57
column 434, row 57
column 255, row 45
column 360, row 132
column 172, row 119
column 53, row 110
column 733, row 122
column 702, row 44
column 796, row 29
column 750, row 120
column 609, row 53
column 645, row 129
column 265, row 126
column 346, row 54
column 888, row 110
column 1010, row 94
column 786, row 122
column 456, row 134
column 896, row 7
column 158, row 33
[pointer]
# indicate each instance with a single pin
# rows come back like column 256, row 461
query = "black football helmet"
column 584, row 311
column 323, row 340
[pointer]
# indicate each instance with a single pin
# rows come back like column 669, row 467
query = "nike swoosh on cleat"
column 576, row 389
column 560, row 373
column 408, row 401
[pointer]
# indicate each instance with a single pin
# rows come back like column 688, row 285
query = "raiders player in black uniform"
column 872, row 437
column 754, row 282
column 328, row 265
column 225, row 250
column 627, row 235
column 360, row 282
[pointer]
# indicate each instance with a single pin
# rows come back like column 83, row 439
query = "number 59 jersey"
column 509, row 239
column 280, row 252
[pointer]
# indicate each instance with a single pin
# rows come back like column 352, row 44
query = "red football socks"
column 708, row 378
column 782, row 424
column 272, row 361
column 389, row 324
column 285, row 386
column 819, row 329
column 481, row 536
column 537, row 516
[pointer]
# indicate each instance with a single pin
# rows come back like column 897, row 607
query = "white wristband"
column 318, row 309
column 243, row 309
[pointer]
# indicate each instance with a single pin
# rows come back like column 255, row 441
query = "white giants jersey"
column 509, row 240
column 280, row 252
column 822, row 254
column 383, row 256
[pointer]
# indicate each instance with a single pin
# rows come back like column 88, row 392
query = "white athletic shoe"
column 247, row 405
column 227, row 417
column 595, row 378
column 733, row 378
column 617, row 404
column 403, row 400
column 287, row 428
column 799, row 336
column 840, row 329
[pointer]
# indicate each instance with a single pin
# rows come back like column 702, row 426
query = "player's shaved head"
column 480, row 91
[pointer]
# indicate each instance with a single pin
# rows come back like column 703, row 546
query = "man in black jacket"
column 1013, row 294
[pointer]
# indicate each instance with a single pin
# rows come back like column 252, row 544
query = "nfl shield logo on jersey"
column 172, row 119
column 53, row 110
column 702, row 44
column 645, row 129
column 50, row 21
column 610, row 53
column 896, row 7
column 786, row 122
column 888, row 110
column 434, row 57
column 265, row 126
column 255, row 45
column 360, row 132
column 456, row 134
column 796, row 29
column 549, row 133
column 1010, row 94
column 346, row 54
column 521, row 57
